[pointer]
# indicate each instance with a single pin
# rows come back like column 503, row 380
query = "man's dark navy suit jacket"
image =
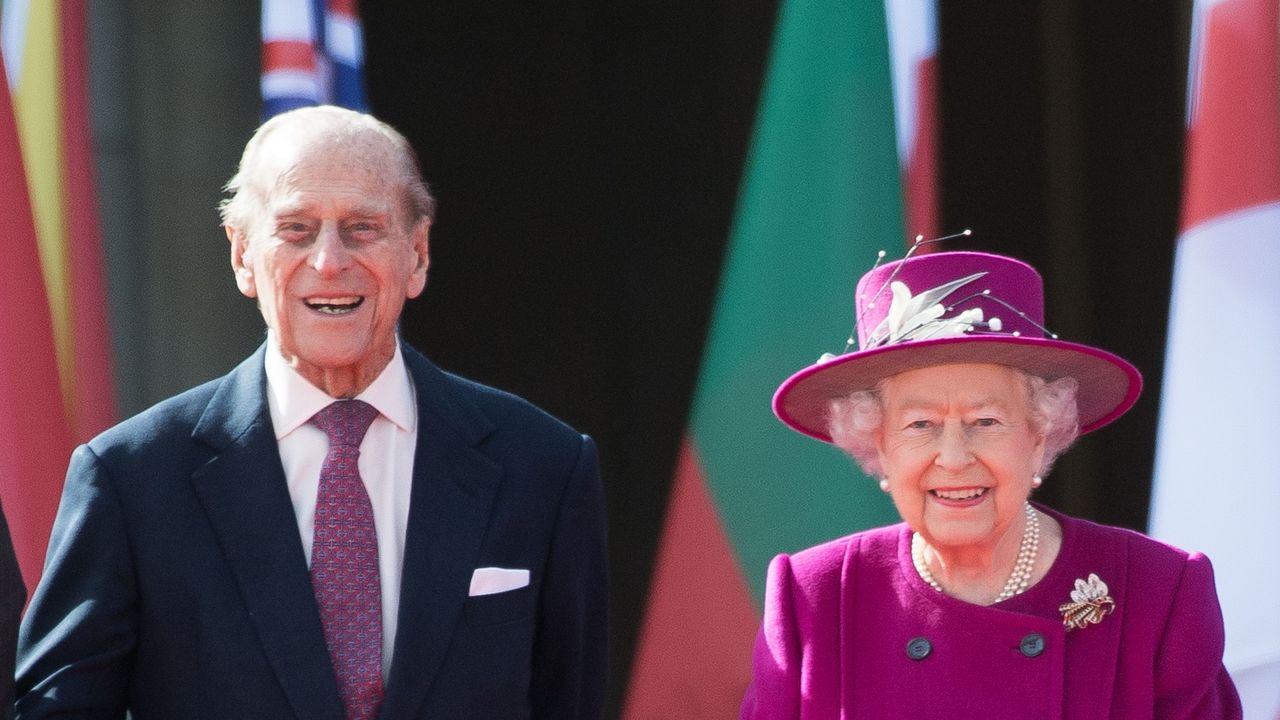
column 176, row 584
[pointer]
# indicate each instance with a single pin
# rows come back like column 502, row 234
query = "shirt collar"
column 293, row 400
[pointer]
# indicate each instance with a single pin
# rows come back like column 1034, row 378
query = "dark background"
column 587, row 158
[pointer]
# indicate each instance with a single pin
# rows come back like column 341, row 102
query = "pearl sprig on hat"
column 920, row 241
column 1023, row 567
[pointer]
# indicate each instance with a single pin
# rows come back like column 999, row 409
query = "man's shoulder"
column 503, row 404
column 170, row 420
column 459, row 396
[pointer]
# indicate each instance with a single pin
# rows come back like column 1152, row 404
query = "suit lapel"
column 453, row 490
column 245, row 496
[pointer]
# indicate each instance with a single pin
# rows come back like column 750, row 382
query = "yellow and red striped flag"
column 56, row 383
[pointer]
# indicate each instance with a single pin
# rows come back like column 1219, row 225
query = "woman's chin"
column 951, row 525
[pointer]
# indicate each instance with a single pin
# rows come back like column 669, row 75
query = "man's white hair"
column 336, row 125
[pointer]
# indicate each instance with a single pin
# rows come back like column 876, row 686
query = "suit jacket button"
column 1032, row 645
column 919, row 648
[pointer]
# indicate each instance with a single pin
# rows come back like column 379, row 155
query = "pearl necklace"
column 1023, row 568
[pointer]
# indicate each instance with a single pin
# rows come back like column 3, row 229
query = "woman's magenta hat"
column 955, row 307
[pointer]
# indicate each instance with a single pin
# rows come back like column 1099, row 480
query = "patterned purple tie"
column 344, row 561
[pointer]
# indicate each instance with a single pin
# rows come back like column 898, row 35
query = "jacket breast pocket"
column 502, row 607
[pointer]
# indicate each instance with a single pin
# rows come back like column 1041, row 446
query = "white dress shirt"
column 386, row 463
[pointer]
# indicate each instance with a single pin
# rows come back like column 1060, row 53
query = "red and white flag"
column 913, row 49
column 1217, row 485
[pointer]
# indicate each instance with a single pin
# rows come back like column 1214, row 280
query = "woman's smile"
column 961, row 497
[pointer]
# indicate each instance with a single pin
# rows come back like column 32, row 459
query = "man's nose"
column 330, row 255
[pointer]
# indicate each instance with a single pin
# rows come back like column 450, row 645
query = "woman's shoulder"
column 1133, row 543
column 1166, row 597
column 830, row 557
column 1145, row 560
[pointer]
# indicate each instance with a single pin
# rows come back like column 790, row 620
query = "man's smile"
column 335, row 305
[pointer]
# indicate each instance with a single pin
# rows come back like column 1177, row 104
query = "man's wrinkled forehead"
column 290, row 157
column 355, row 150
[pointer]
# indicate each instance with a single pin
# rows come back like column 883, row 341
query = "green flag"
column 820, row 196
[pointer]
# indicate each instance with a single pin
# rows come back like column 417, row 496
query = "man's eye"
column 986, row 422
column 363, row 228
column 919, row 425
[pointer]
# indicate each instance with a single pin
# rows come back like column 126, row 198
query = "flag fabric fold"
column 55, row 349
column 312, row 54
column 1216, row 489
column 913, row 44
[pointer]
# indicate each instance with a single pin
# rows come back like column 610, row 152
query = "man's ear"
column 243, row 271
column 422, row 259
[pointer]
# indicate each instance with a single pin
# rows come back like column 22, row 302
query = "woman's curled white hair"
column 852, row 420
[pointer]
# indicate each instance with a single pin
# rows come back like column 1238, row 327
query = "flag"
column 56, row 356
column 820, row 196
column 1216, row 486
column 913, row 44
column 312, row 54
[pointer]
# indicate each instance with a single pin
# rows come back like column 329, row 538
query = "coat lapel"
column 453, row 489
column 245, row 496
column 1095, row 647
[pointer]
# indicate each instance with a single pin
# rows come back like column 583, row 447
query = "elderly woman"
column 980, row 604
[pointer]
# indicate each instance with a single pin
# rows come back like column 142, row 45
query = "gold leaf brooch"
column 1089, row 604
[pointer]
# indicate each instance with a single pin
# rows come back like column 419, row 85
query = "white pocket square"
column 490, row 580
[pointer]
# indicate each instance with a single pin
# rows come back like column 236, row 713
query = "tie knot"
column 345, row 421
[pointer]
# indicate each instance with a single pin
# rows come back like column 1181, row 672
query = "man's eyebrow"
column 367, row 210
column 374, row 210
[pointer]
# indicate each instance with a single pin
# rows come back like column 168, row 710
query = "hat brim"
column 1109, row 385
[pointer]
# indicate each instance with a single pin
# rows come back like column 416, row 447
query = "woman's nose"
column 953, row 448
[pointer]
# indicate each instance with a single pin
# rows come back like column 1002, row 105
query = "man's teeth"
column 336, row 306
column 968, row 494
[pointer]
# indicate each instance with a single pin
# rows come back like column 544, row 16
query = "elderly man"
column 337, row 528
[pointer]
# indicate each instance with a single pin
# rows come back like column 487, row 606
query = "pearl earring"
column 1036, row 481
column 884, row 484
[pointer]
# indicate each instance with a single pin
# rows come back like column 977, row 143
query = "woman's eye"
column 919, row 425
column 986, row 422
